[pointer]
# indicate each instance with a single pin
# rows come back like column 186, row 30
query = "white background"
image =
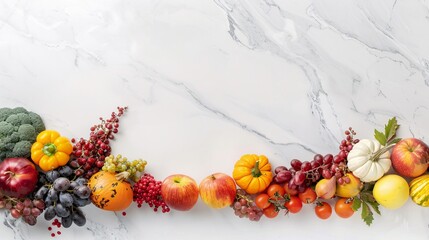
column 208, row 81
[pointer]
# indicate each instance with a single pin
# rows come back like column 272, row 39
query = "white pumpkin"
column 363, row 163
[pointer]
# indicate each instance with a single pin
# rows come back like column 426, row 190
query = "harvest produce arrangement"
column 44, row 173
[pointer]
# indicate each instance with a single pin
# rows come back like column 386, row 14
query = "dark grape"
column 67, row 221
column 82, row 191
column 61, row 184
column 65, row 171
column 48, row 202
column 52, row 175
column 81, row 181
column 49, row 213
column 80, row 202
column 61, row 211
column 42, row 179
column 40, row 194
column 78, row 217
column 73, row 184
column 52, row 196
column 66, row 199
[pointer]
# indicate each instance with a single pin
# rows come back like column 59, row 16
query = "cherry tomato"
column 308, row 196
column 290, row 191
column 323, row 210
column 275, row 189
column 344, row 208
column 262, row 201
column 270, row 212
column 294, row 204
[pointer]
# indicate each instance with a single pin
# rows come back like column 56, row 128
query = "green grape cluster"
column 119, row 164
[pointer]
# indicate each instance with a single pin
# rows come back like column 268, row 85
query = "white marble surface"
column 207, row 81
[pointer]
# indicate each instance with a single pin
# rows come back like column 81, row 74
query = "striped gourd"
column 419, row 190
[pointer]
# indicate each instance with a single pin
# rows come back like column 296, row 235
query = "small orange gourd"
column 253, row 173
column 109, row 191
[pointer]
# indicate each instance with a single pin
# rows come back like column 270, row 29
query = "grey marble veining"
column 208, row 81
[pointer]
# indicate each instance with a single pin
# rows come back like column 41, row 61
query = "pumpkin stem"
column 256, row 172
column 122, row 176
column 380, row 152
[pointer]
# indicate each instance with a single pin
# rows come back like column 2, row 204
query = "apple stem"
column 256, row 172
column 213, row 177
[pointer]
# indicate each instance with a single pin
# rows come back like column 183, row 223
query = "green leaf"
column 381, row 138
column 390, row 129
column 356, row 204
column 374, row 206
column 396, row 140
column 366, row 214
column 368, row 198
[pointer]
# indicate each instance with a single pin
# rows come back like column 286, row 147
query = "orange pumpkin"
column 110, row 192
column 253, row 173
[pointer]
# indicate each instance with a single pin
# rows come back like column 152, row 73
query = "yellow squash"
column 51, row 150
column 253, row 173
column 419, row 190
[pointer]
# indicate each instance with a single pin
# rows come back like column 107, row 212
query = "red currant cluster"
column 88, row 155
column 26, row 208
column 302, row 174
column 148, row 190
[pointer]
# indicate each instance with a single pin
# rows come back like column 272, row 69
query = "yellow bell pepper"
column 51, row 150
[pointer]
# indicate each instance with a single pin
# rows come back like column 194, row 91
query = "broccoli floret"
column 19, row 110
column 6, row 129
column 19, row 119
column 27, row 132
column 5, row 113
column 37, row 122
column 21, row 149
column 18, row 131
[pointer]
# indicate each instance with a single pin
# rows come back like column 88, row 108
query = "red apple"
column 179, row 192
column 18, row 177
column 410, row 157
column 218, row 190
